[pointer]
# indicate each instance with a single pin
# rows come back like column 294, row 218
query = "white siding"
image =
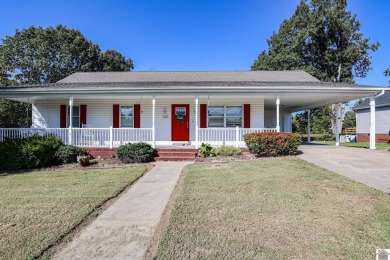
column 382, row 120
column 46, row 114
column 99, row 112
column 285, row 120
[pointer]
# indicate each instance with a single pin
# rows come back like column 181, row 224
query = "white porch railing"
column 25, row 132
column 86, row 137
column 110, row 137
column 228, row 136
column 132, row 135
column 114, row 137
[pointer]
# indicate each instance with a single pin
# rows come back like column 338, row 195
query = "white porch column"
column 338, row 107
column 111, row 135
column 308, row 126
column 196, row 122
column 372, row 125
column 277, row 113
column 70, row 120
column 153, row 121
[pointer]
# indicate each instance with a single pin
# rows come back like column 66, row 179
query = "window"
column 233, row 116
column 216, row 116
column 224, row 116
column 75, row 117
column 127, row 116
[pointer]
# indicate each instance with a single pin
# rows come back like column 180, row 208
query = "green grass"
column 274, row 209
column 38, row 208
column 357, row 144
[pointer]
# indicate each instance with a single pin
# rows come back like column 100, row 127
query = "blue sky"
column 188, row 35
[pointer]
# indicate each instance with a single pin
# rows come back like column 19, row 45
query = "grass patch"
column 274, row 208
column 38, row 208
column 357, row 144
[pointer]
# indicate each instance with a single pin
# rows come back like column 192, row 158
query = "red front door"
column 180, row 122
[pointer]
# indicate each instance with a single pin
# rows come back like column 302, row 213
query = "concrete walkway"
column 125, row 229
column 371, row 167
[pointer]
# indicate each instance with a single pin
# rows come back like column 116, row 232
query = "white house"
column 107, row 109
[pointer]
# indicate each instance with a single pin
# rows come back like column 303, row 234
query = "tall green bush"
column 135, row 153
column 270, row 144
column 68, row 154
column 29, row 152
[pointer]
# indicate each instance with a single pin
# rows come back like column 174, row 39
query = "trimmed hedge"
column 68, row 154
column 325, row 137
column 227, row 151
column 271, row 144
column 29, row 152
column 135, row 153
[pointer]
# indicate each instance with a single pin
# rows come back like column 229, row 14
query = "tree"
column 319, row 121
column 322, row 38
column 39, row 55
column 111, row 60
column 349, row 119
column 387, row 72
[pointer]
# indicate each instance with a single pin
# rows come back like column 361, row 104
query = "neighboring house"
column 382, row 119
column 107, row 109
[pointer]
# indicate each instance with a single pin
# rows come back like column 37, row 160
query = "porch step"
column 175, row 154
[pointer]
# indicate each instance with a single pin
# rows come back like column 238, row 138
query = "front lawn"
column 38, row 208
column 357, row 144
column 274, row 209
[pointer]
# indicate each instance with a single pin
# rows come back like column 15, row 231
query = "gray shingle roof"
column 383, row 100
column 185, row 85
column 189, row 76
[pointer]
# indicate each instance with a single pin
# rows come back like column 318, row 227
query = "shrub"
column 68, row 154
column 206, row 150
column 29, row 152
column 135, row 153
column 227, row 151
column 325, row 137
column 270, row 144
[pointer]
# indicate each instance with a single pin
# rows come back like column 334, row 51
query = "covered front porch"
column 160, row 120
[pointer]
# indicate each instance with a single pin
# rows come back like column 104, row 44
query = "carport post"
column 372, row 125
column 308, row 126
column 338, row 108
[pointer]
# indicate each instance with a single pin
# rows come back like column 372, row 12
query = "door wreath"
column 180, row 118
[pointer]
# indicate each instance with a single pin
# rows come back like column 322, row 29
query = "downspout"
column 380, row 94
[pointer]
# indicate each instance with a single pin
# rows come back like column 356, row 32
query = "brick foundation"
column 380, row 138
column 105, row 153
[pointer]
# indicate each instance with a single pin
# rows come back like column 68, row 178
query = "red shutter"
column 63, row 116
column 247, row 116
column 83, row 115
column 137, row 116
column 203, row 115
column 115, row 116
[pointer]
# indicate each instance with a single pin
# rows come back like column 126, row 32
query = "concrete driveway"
column 371, row 167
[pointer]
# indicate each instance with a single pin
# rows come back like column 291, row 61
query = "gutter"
column 376, row 96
